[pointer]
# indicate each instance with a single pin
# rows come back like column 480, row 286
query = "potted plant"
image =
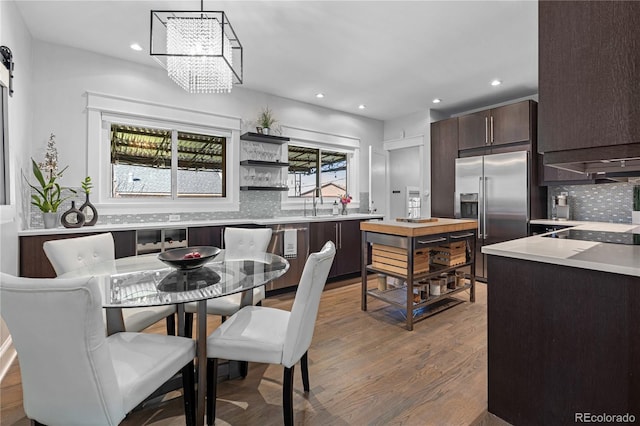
column 49, row 193
column 635, row 214
column 266, row 120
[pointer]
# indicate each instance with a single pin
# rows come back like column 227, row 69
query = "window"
column 313, row 168
column 166, row 163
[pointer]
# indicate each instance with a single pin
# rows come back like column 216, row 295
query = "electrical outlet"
column 174, row 217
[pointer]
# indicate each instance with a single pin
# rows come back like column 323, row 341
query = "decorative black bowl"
column 176, row 257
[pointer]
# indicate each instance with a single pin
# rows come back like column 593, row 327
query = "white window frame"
column 102, row 110
column 329, row 142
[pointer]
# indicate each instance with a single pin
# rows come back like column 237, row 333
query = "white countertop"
column 615, row 258
column 194, row 224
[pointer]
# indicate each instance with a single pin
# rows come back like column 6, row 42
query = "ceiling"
column 395, row 57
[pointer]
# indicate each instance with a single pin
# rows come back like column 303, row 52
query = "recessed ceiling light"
column 437, row 100
column 496, row 82
column 136, row 47
column 319, row 95
column 362, row 106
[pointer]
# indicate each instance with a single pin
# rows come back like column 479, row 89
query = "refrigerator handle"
column 484, row 207
column 479, row 209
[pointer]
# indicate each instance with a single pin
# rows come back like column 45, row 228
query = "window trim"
column 330, row 142
column 103, row 109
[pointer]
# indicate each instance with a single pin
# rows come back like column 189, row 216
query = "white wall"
column 63, row 76
column 14, row 35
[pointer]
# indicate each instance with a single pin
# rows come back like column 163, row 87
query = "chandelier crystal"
column 193, row 38
column 199, row 50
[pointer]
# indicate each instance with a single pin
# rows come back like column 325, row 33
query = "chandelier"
column 199, row 49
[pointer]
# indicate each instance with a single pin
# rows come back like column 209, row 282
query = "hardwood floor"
column 364, row 368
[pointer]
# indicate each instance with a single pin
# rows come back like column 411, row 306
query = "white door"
column 378, row 202
column 404, row 171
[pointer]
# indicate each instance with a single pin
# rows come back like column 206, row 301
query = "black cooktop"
column 631, row 237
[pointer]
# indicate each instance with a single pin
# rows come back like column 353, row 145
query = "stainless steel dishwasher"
column 292, row 242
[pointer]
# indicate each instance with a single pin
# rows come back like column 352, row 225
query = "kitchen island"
column 404, row 251
column 564, row 326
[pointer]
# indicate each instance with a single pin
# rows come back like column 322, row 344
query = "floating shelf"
column 260, row 163
column 257, row 137
column 264, row 188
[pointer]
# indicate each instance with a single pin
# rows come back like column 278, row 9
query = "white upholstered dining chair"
column 72, row 374
column 274, row 336
column 239, row 243
column 69, row 254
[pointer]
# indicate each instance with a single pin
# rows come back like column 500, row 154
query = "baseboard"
column 7, row 356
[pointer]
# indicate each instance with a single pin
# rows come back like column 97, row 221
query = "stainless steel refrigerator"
column 494, row 190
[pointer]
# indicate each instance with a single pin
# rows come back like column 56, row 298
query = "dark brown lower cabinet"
column 35, row 264
column 345, row 234
column 205, row 236
column 561, row 341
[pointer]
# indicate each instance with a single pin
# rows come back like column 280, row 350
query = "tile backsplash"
column 607, row 202
column 253, row 205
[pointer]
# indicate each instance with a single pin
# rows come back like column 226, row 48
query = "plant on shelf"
column 49, row 194
column 266, row 120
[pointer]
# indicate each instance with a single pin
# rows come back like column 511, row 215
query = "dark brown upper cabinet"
column 444, row 151
column 589, row 80
column 497, row 126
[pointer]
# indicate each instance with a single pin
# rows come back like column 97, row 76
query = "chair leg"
column 188, row 324
column 304, row 367
column 244, row 368
column 212, row 389
column 171, row 325
column 188, row 393
column 287, row 396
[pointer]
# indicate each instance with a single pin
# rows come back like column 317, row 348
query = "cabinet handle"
column 437, row 240
column 340, row 234
column 461, row 235
column 486, row 131
column 222, row 237
column 337, row 236
column 492, row 130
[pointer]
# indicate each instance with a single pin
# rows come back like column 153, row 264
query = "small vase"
column 635, row 217
column 72, row 218
column 344, row 209
column 265, row 130
column 50, row 220
column 89, row 211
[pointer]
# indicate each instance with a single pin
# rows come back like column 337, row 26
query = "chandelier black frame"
column 158, row 45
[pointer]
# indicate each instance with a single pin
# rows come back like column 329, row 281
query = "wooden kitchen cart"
column 399, row 250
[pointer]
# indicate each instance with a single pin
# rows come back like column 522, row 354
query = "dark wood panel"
column 553, row 175
column 473, row 131
column 511, row 123
column 589, row 65
column 561, row 340
column 125, row 243
column 444, row 151
column 35, row 264
column 205, row 236
column 319, row 234
column 349, row 247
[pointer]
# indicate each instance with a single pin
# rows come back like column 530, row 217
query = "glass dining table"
column 140, row 281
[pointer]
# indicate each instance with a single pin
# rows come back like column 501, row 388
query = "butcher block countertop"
column 406, row 229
